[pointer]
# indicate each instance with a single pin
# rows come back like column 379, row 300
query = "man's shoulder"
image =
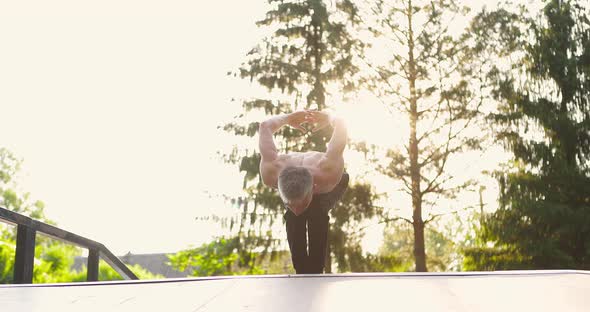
column 269, row 172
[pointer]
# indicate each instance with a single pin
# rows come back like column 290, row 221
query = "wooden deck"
column 469, row 292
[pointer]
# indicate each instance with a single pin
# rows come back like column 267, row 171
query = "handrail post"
column 93, row 259
column 25, row 255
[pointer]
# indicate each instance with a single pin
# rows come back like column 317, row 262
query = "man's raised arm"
column 339, row 138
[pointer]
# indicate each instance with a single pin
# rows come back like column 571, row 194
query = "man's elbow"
column 340, row 130
column 265, row 125
column 338, row 122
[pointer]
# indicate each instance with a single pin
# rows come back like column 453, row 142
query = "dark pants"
column 313, row 223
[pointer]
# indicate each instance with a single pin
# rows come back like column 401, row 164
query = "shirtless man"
column 309, row 183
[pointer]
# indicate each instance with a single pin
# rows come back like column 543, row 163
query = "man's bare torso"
column 326, row 173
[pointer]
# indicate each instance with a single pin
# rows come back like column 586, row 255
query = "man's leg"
column 318, row 225
column 297, row 238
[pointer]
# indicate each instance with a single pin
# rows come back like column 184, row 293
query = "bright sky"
column 113, row 106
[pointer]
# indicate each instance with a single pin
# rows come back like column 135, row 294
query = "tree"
column 308, row 55
column 429, row 78
column 543, row 220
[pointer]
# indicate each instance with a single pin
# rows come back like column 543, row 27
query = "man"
column 309, row 183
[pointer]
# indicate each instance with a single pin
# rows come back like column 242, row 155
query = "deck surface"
column 469, row 292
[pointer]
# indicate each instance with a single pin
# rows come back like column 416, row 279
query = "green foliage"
column 215, row 258
column 53, row 263
column 384, row 263
column 544, row 216
column 494, row 259
column 218, row 257
column 7, row 253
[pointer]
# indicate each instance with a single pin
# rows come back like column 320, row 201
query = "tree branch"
column 386, row 81
column 435, row 216
column 386, row 220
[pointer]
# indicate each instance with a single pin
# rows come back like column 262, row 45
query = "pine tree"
column 306, row 59
column 543, row 220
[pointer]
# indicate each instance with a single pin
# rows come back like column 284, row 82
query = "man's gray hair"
column 295, row 183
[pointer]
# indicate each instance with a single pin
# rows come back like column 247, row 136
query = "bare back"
column 326, row 172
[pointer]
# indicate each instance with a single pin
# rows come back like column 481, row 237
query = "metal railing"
column 26, row 231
